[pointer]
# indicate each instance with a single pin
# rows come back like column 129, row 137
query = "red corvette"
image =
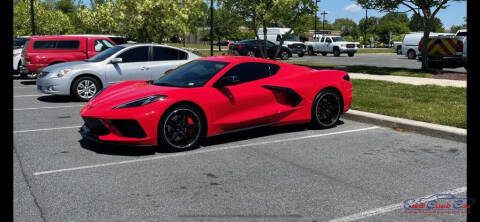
column 215, row 95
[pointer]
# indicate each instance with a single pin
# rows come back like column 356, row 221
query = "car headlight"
column 60, row 73
column 141, row 102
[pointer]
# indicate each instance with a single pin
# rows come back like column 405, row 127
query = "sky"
column 452, row 15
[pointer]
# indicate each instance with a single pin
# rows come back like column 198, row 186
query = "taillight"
column 27, row 58
column 420, row 44
column 459, row 46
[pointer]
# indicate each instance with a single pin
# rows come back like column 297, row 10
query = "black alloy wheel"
column 326, row 109
column 84, row 88
column 336, row 52
column 284, row 55
column 181, row 128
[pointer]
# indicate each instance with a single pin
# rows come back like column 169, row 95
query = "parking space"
column 370, row 59
column 270, row 174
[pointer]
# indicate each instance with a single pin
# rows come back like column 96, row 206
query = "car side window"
column 278, row 38
column 323, row 38
column 165, row 54
column 329, row 40
column 270, row 44
column 250, row 71
column 137, row 54
column 102, row 44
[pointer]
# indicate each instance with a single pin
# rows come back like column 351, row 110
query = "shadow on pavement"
column 123, row 150
column 29, row 82
column 57, row 99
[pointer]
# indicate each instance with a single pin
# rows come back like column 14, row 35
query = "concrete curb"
column 430, row 129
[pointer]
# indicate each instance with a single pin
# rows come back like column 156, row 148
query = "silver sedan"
column 83, row 79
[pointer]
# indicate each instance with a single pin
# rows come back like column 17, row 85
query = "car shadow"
column 28, row 82
column 123, row 150
column 117, row 150
column 57, row 99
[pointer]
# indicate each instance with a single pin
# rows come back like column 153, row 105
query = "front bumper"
column 55, row 86
column 348, row 50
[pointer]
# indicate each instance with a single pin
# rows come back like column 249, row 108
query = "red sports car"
column 215, row 95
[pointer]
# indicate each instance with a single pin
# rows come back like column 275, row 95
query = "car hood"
column 128, row 91
column 69, row 65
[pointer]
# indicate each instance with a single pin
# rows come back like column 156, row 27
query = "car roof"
column 152, row 44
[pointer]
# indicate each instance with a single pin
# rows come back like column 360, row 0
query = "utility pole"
column 365, row 28
column 323, row 13
column 211, row 27
column 32, row 17
column 315, row 32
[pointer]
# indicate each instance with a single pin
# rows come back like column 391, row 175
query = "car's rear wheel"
column 411, row 54
column 326, row 109
column 84, row 88
column 181, row 128
column 310, row 51
column 324, row 54
column 351, row 54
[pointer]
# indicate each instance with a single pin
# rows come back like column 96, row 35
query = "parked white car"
column 410, row 43
column 83, row 79
column 398, row 47
column 275, row 34
column 17, row 54
column 331, row 44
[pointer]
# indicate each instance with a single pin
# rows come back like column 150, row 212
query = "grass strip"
column 427, row 103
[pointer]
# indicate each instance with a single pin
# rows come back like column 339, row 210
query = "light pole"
column 211, row 27
column 32, row 17
column 323, row 13
column 315, row 32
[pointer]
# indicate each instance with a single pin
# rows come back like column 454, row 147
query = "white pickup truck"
column 331, row 44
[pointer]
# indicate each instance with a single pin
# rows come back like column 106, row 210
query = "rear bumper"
column 35, row 67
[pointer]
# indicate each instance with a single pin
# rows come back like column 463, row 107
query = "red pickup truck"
column 42, row 51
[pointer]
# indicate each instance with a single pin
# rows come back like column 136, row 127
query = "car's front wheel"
column 181, row 128
column 251, row 53
column 324, row 54
column 351, row 54
column 301, row 54
column 84, row 88
column 284, row 55
column 326, row 109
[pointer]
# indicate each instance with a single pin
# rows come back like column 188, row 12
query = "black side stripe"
column 295, row 99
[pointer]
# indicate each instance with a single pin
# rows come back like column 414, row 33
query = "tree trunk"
column 265, row 48
column 424, row 52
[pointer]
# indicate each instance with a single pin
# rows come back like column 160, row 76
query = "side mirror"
column 227, row 81
column 116, row 60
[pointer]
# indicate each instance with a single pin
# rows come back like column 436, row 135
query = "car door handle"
column 143, row 68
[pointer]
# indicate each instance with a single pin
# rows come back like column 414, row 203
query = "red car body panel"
column 37, row 59
column 225, row 109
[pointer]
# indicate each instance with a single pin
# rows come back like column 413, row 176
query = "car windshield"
column 292, row 38
column 338, row 39
column 192, row 74
column 105, row 54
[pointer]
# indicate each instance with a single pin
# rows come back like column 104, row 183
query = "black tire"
column 174, row 126
column 411, row 54
column 399, row 50
column 350, row 54
column 284, row 55
column 324, row 54
column 251, row 53
column 311, row 52
column 301, row 54
column 336, row 52
column 326, row 109
column 81, row 83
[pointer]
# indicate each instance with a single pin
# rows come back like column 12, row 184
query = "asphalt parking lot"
column 371, row 59
column 354, row 171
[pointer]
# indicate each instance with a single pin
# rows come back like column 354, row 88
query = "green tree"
column 392, row 23
column 347, row 27
column 416, row 24
column 426, row 9
column 47, row 22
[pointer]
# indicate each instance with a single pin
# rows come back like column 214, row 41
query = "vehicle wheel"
column 399, row 51
column 251, row 53
column 411, row 54
column 181, row 128
column 301, row 54
column 350, row 54
column 84, row 88
column 311, row 52
column 324, row 54
column 336, row 52
column 326, row 109
column 284, row 55
column 29, row 75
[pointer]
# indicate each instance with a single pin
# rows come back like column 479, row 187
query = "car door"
column 133, row 66
column 328, row 45
column 164, row 59
column 247, row 103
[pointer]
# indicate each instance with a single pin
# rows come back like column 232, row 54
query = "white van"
column 410, row 43
column 274, row 34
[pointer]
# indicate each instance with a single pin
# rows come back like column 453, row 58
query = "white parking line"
column 199, row 151
column 35, row 130
column 390, row 208
column 28, row 95
column 46, row 107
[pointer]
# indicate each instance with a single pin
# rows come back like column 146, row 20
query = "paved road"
column 380, row 60
column 270, row 174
